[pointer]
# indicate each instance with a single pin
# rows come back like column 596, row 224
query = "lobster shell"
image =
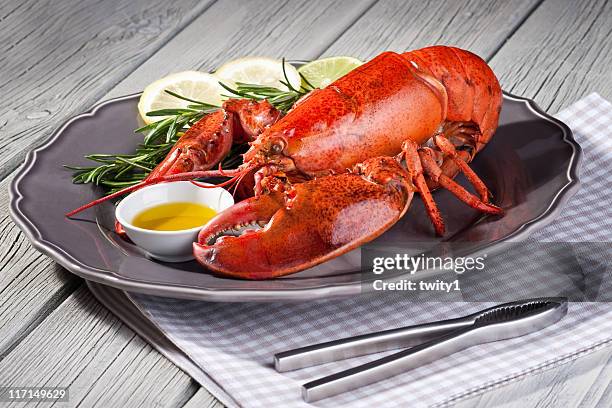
column 474, row 93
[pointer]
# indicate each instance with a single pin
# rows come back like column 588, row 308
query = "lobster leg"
column 419, row 159
column 449, row 150
column 413, row 163
column 435, row 172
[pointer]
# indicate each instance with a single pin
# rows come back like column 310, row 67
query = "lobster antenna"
column 238, row 183
column 173, row 177
column 225, row 183
column 232, row 183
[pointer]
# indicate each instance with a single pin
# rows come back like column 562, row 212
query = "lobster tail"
column 474, row 93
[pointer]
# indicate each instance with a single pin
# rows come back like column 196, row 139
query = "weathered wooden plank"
column 83, row 346
column 561, row 53
column 31, row 285
column 60, row 57
column 581, row 382
column 600, row 392
column 299, row 29
column 203, row 399
column 480, row 26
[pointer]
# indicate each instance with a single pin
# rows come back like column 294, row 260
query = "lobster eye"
column 277, row 146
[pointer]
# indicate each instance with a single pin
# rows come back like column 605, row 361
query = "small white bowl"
column 168, row 246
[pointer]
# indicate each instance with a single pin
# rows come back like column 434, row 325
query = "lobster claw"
column 278, row 234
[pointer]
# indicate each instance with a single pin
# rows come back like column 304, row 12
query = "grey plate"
column 530, row 166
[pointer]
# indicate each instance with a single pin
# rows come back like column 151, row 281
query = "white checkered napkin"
column 233, row 344
column 588, row 215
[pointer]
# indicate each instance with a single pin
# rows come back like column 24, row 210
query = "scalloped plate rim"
column 244, row 295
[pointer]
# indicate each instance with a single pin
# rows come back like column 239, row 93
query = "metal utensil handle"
column 493, row 324
column 388, row 366
column 365, row 344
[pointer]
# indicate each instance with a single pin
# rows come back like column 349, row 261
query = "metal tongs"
column 427, row 343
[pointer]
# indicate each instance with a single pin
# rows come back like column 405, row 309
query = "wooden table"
column 59, row 58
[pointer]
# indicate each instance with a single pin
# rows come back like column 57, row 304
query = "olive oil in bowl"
column 173, row 217
column 165, row 219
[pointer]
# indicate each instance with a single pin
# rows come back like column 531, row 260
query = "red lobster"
column 342, row 166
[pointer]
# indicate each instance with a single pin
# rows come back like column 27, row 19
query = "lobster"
column 342, row 166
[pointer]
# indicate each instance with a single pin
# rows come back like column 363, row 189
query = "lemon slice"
column 195, row 85
column 324, row 71
column 258, row 71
